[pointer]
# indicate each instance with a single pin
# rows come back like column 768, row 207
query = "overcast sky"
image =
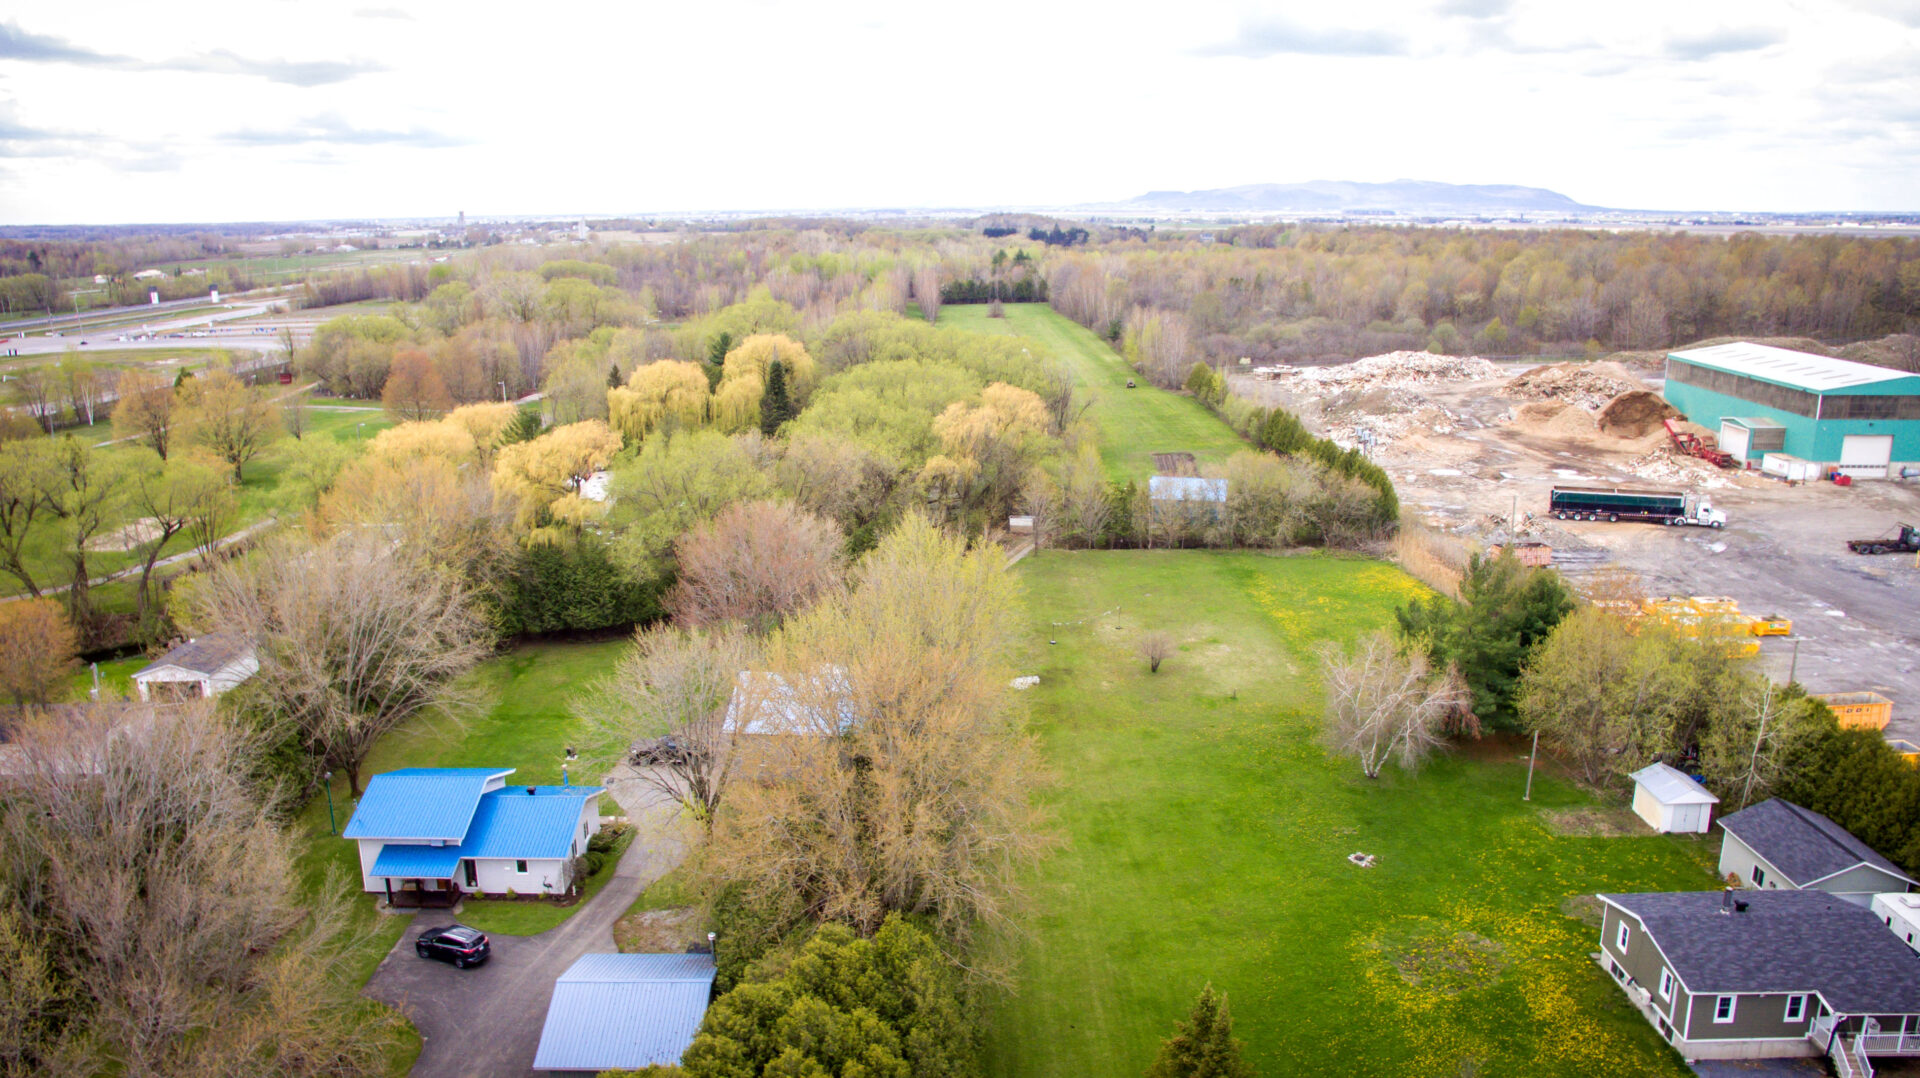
column 274, row 110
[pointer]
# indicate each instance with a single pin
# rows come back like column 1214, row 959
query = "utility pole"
column 1794, row 665
column 1531, row 755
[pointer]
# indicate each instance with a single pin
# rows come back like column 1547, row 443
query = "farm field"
column 524, row 719
column 1133, row 423
column 1206, row 833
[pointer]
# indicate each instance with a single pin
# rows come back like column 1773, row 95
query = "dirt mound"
column 1554, row 419
column 1633, row 414
column 1590, row 384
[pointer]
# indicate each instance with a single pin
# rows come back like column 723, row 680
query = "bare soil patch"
column 1593, row 822
column 1175, row 464
column 668, row 931
column 1584, row 908
column 1435, row 958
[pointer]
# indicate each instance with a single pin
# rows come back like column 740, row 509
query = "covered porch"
column 421, row 877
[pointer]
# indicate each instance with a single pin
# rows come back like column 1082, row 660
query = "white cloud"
column 241, row 110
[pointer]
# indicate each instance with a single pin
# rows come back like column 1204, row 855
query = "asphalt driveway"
column 485, row 1022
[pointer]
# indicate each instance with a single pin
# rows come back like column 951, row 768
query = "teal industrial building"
column 1760, row 401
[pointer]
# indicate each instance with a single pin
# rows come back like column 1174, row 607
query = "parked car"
column 665, row 750
column 457, row 944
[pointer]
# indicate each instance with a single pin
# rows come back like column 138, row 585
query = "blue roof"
column 421, row 803
column 416, row 862
column 625, row 1011
column 514, row 823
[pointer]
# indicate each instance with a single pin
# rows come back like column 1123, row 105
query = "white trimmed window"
column 1759, row 876
column 1666, row 984
column 1723, row 1009
column 520, row 867
column 1618, row 973
column 1796, row 1008
column 1620, row 938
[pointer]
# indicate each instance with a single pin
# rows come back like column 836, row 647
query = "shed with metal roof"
column 204, row 666
column 625, row 1011
column 1855, row 418
column 1670, row 800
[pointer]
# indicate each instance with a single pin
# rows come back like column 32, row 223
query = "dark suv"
column 457, row 944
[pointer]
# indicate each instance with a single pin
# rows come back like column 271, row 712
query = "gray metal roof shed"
column 625, row 1011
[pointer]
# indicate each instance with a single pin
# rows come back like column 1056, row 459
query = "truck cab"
column 1703, row 513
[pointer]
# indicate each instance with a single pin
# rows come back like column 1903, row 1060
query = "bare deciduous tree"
column 906, row 783
column 151, row 910
column 926, row 291
column 354, row 635
column 757, row 564
column 680, row 685
column 146, row 409
column 232, row 419
column 1383, row 704
column 1155, row 646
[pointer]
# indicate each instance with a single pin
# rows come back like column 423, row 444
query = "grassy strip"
column 533, row 918
column 1206, row 835
column 1134, row 423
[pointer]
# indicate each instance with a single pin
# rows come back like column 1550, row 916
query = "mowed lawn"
column 1134, row 423
column 1205, row 834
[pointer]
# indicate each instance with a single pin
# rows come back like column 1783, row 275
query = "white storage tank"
column 1787, row 466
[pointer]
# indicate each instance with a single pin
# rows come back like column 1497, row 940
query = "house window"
column 1620, row 938
column 1618, row 973
column 1723, row 1010
column 520, row 867
column 1796, row 1008
column 1666, row 984
column 1759, row 876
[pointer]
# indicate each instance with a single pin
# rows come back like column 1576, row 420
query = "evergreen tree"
column 775, row 406
column 1505, row 609
column 1203, row 1045
column 718, row 348
column 613, row 376
column 523, row 427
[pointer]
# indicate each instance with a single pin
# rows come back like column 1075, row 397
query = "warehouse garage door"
column 1866, row 456
column 1733, row 439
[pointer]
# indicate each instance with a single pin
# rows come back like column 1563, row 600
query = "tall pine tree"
column 1203, row 1045
column 775, row 406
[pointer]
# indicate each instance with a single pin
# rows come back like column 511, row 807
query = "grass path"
column 1133, row 423
column 1206, row 834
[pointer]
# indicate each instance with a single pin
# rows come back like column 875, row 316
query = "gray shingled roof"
column 1785, row 941
column 1802, row 843
column 203, row 654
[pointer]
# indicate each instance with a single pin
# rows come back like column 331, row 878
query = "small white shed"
column 1670, row 801
column 202, row 667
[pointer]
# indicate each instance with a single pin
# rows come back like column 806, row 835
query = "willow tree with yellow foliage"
column 670, row 392
column 989, row 448
column 743, row 378
column 541, row 478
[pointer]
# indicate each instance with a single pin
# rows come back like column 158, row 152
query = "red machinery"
column 1694, row 445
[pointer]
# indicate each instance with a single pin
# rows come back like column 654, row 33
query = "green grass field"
column 1134, row 423
column 1206, row 834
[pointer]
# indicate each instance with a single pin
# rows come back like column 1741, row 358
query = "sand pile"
column 1555, row 419
column 1588, row 384
column 1394, row 370
column 1633, row 414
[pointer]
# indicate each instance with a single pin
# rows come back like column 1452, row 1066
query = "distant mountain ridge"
column 1423, row 197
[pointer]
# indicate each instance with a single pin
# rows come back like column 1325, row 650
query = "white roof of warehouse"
column 1802, row 370
column 1672, row 787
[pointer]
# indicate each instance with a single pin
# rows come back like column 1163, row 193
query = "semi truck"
column 1671, row 507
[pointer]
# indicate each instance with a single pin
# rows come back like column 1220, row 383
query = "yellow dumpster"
column 1869, row 709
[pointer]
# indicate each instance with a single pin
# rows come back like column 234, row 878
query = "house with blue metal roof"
column 428, row 835
column 625, row 1012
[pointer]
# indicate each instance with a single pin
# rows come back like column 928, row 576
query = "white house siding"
column 212, row 684
column 497, row 877
column 1859, row 885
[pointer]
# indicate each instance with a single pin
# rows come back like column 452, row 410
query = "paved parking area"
column 485, row 1022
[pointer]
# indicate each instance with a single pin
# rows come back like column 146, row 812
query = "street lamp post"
column 332, row 827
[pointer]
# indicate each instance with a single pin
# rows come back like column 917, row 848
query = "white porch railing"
column 1890, row 1044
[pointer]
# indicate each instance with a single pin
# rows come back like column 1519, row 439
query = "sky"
column 285, row 110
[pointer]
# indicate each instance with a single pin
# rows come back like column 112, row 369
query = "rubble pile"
column 1664, row 465
column 1394, row 370
column 1588, row 385
column 1634, row 414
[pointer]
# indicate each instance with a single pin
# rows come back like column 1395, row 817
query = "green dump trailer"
column 1672, row 507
